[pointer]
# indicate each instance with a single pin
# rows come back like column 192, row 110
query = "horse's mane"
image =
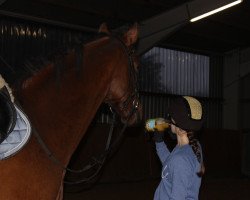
column 33, row 66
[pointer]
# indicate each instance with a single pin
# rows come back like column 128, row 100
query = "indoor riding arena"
column 84, row 84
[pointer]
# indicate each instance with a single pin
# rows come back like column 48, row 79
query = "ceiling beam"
column 155, row 29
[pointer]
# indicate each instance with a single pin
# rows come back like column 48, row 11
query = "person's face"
column 177, row 130
column 173, row 126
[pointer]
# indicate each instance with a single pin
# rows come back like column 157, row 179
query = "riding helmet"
column 187, row 113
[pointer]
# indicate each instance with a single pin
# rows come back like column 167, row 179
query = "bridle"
column 110, row 148
column 133, row 83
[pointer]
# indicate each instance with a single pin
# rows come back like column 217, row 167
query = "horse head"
column 123, row 94
column 60, row 98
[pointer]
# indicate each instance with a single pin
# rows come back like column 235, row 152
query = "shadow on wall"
column 150, row 74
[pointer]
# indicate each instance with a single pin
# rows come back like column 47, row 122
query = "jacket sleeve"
column 162, row 151
column 181, row 173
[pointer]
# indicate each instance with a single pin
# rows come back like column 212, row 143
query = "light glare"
column 216, row 10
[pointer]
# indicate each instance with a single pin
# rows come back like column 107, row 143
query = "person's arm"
column 181, row 173
column 161, row 148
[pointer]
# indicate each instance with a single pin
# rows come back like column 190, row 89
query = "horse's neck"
column 62, row 113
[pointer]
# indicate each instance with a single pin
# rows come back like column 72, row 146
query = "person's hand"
column 158, row 136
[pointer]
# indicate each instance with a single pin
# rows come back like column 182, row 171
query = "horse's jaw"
column 134, row 118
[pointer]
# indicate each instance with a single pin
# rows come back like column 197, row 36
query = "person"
column 182, row 168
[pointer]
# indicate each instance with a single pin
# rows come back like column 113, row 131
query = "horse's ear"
column 132, row 35
column 103, row 28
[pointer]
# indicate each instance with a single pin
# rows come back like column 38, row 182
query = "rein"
column 94, row 161
column 100, row 160
column 109, row 148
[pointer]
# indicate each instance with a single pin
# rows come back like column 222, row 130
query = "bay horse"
column 61, row 109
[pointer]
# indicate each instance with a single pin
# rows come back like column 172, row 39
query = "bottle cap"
column 150, row 125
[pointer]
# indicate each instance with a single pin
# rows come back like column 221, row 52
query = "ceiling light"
column 216, row 10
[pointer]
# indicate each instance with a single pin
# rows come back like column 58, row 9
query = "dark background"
column 220, row 33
